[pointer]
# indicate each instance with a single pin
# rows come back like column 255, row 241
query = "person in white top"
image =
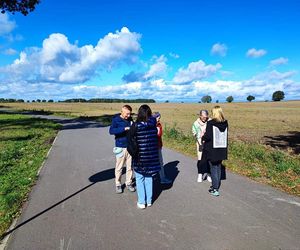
column 198, row 130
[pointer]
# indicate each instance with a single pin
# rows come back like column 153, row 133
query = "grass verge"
column 256, row 161
column 24, row 143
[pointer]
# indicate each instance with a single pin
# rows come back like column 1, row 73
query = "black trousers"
column 202, row 166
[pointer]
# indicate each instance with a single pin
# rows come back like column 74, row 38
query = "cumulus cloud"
column 219, row 49
column 10, row 52
column 256, row 53
column 158, row 68
column 60, row 61
column 195, row 71
column 6, row 25
column 279, row 61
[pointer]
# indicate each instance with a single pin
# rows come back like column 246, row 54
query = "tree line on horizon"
column 277, row 96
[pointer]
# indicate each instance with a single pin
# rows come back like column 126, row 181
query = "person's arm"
column 115, row 130
column 208, row 133
column 194, row 130
column 159, row 130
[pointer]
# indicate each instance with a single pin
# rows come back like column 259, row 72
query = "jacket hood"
column 220, row 125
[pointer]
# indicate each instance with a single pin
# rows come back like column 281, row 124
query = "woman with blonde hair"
column 215, row 142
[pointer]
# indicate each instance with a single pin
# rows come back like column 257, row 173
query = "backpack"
column 132, row 146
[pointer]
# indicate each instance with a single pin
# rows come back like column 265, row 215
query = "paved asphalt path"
column 74, row 205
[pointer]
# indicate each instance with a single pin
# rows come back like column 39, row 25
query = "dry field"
column 273, row 123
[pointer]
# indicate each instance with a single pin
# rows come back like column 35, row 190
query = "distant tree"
column 217, row 101
column 44, row 100
column 38, row 100
column 206, row 99
column 20, row 100
column 250, row 98
column 50, row 100
column 167, row 101
column 28, row 101
column 33, row 101
column 229, row 99
column 22, row 6
column 278, row 96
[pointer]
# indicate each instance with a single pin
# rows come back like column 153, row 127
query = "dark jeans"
column 215, row 170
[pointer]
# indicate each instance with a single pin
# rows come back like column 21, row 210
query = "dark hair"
column 127, row 107
column 144, row 113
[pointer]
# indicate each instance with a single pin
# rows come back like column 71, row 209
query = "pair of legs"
column 144, row 187
column 120, row 161
column 215, row 169
column 202, row 165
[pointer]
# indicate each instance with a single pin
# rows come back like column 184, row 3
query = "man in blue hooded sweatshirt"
column 120, row 127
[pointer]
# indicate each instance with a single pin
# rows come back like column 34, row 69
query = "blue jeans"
column 144, row 186
column 215, row 172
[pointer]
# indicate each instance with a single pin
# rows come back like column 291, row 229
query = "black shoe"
column 211, row 189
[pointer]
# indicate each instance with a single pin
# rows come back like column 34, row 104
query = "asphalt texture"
column 74, row 204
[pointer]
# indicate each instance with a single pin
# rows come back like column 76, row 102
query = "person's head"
column 217, row 114
column 126, row 112
column 157, row 116
column 203, row 115
column 144, row 113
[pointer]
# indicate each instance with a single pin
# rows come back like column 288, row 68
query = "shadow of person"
column 171, row 172
column 99, row 177
column 105, row 175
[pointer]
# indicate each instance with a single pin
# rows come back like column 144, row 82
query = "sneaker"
column 119, row 189
column 131, row 188
column 211, row 189
column 208, row 178
column 141, row 206
column 200, row 178
column 149, row 205
column 215, row 192
column 165, row 181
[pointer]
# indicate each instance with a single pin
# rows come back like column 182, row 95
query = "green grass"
column 24, row 143
column 256, row 161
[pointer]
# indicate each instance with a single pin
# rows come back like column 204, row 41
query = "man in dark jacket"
column 120, row 127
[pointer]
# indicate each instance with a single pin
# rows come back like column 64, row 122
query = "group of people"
column 211, row 140
column 211, row 136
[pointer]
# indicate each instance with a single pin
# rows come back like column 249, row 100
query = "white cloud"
column 254, row 53
column 10, row 52
column 158, row 68
column 219, row 49
column 6, row 25
column 174, row 55
column 279, row 61
column 195, row 71
column 60, row 61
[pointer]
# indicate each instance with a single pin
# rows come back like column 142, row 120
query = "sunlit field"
column 253, row 122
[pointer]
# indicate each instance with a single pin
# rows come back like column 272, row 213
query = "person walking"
column 147, row 163
column 215, row 142
column 162, row 174
column 198, row 130
column 120, row 126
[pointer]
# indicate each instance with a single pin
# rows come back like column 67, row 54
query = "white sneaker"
column 199, row 178
column 141, row 206
column 208, row 178
column 149, row 205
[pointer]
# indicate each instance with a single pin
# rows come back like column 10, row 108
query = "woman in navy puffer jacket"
column 147, row 163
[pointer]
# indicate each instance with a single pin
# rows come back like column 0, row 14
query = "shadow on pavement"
column 171, row 172
column 99, row 177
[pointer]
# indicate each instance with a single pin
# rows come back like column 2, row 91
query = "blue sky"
column 166, row 50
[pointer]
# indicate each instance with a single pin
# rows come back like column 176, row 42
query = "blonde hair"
column 217, row 114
